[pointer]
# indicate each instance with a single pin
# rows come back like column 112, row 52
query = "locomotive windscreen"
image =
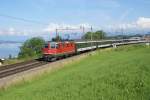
column 46, row 45
column 54, row 45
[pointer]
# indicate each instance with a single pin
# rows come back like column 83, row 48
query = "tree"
column 87, row 36
column 100, row 34
column 95, row 35
column 31, row 47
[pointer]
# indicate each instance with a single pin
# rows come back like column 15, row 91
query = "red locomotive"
column 58, row 50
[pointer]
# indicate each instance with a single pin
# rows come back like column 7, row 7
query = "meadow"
column 111, row 74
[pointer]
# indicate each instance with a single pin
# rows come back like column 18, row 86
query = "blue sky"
column 101, row 14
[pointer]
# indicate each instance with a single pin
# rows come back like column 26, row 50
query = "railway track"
column 19, row 67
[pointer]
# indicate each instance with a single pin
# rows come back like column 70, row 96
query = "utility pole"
column 91, row 33
column 83, row 30
column 122, row 33
column 56, row 34
column 91, row 37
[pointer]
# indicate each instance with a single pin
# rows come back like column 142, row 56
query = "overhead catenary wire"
column 36, row 22
column 23, row 19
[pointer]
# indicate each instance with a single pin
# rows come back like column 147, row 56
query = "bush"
column 31, row 47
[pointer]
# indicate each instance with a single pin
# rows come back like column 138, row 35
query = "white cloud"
column 9, row 31
column 143, row 22
column 140, row 24
column 14, row 32
column 53, row 26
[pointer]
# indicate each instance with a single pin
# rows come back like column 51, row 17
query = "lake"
column 7, row 49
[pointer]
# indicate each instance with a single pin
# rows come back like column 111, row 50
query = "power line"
column 23, row 19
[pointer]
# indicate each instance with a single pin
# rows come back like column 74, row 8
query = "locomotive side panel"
column 58, row 50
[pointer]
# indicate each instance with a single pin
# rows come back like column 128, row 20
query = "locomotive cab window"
column 46, row 45
column 53, row 45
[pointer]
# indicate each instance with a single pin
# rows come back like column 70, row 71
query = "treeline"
column 98, row 35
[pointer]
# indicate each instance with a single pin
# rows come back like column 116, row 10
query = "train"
column 62, row 49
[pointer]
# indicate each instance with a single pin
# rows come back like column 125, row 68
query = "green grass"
column 119, row 74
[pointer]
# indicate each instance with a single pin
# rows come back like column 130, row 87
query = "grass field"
column 120, row 74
